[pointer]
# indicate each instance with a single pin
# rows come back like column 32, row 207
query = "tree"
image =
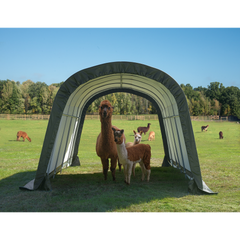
column 230, row 100
column 52, row 89
column 215, row 90
column 39, row 93
column 24, row 88
column 10, row 101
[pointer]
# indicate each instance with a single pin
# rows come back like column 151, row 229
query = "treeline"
column 26, row 98
column 213, row 100
column 37, row 98
column 125, row 104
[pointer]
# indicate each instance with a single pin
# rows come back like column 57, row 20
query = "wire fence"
column 24, row 117
column 87, row 117
column 114, row 117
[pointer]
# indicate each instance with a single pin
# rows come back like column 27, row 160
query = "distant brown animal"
column 105, row 145
column 23, row 135
column 144, row 129
column 220, row 135
column 151, row 136
column 204, row 128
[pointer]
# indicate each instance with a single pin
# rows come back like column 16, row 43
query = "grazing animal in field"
column 204, row 128
column 137, row 140
column 23, row 135
column 151, row 136
column 105, row 146
column 220, row 135
column 139, row 153
column 144, row 129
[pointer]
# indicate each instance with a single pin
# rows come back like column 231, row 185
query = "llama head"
column 118, row 136
column 105, row 109
column 137, row 136
column 149, row 124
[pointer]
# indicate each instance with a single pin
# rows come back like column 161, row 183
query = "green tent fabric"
column 60, row 147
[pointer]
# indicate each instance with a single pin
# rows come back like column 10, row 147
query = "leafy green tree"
column 24, row 88
column 215, row 90
column 39, row 93
column 11, row 101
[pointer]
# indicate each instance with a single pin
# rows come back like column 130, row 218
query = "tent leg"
column 75, row 161
column 165, row 162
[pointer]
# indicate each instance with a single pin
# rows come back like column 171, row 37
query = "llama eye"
column 108, row 108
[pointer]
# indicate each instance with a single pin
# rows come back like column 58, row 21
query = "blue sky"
column 190, row 55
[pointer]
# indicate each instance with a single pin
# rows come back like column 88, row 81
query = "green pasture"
column 83, row 188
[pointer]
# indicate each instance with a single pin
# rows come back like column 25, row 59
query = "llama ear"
column 113, row 129
column 134, row 132
column 141, row 132
column 122, row 131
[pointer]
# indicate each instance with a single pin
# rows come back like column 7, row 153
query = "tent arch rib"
column 60, row 147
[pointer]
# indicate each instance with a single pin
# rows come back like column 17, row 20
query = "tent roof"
column 63, row 134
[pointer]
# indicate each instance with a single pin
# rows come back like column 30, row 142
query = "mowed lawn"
column 83, row 189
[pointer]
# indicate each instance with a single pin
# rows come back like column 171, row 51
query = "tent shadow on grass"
column 89, row 192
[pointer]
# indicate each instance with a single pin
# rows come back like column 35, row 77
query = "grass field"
column 82, row 188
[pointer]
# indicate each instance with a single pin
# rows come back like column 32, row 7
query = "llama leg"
column 105, row 167
column 125, row 172
column 129, row 172
column 143, row 170
column 113, row 167
column 119, row 165
column 133, row 169
column 113, row 170
column 148, row 174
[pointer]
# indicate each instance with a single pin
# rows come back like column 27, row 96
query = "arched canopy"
column 63, row 134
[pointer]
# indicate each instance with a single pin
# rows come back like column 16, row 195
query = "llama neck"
column 106, row 128
column 122, row 152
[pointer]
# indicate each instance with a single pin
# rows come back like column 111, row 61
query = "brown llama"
column 220, row 135
column 23, row 135
column 105, row 146
column 204, row 128
column 144, row 129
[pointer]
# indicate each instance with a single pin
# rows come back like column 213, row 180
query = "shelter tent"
column 60, row 147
